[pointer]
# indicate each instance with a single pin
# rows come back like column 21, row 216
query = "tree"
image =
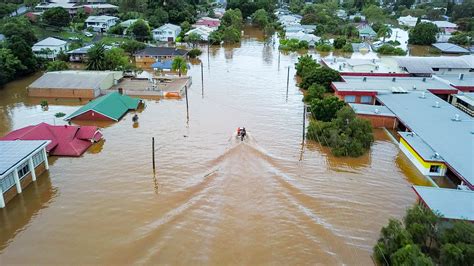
column 193, row 38
column 462, row 39
column 232, row 17
column 423, row 34
column 131, row 46
column 57, row 16
column 410, row 255
column 116, row 59
column 296, row 5
column 305, row 63
column 116, row 29
column 141, row 30
column 9, row 65
column 375, row 14
column 231, row 35
column 452, row 255
column 193, row 53
column 320, row 75
column 309, row 19
column 421, row 224
column 388, row 49
column 260, row 18
column 57, row 66
column 392, row 238
column 96, row 57
column 464, row 10
column 20, row 27
column 339, row 42
column 405, row 3
column 157, row 17
column 347, row 48
column 215, row 37
column 325, row 109
column 384, row 32
column 314, row 92
column 179, row 64
column 23, row 52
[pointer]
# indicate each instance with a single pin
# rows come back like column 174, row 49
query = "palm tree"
column 96, row 57
column 384, row 32
column 179, row 64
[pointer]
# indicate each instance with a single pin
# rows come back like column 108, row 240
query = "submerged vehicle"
column 241, row 133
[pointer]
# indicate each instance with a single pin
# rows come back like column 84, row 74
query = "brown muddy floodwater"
column 213, row 200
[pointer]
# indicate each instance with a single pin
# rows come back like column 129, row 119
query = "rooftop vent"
column 424, row 79
column 456, row 118
column 436, row 105
column 436, row 155
column 461, row 76
column 376, row 111
column 414, row 87
column 394, row 79
column 340, row 67
column 376, row 67
column 364, row 79
column 423, row 95
column 335, row 60
column 373, row 60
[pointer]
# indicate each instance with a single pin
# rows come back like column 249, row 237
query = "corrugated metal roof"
column 73, row 79
column 50, row 41
column 161, row 51
column 450, row 48
column 12, row 152
column 450, row 203
column 113, row 105
column 452, row 140
column 419, row 65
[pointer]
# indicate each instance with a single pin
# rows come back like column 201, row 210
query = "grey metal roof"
column 450, row 48
column 71, row 80
column 452, row 140
column 418, row 65
column 455, row 80
column 388, row 84
column 12, row 152
column 50, row 41
column 450, row 203
column 369, row 109
column 421, row 147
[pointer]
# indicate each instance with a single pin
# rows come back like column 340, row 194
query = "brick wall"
column 62, row 93
column 380, row 121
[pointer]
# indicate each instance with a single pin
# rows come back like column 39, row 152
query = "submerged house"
column 21, row 162
column 63, row 140
column 111, row 107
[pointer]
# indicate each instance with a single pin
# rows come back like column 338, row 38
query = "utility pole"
column 278, row 59
column 202, row 79
column 208, row 52
column 287, row 82
column 304, row 122
column 187, row 103
column 153, row 152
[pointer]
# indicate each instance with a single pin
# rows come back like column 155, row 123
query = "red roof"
column 212, row 23
column 65, row 140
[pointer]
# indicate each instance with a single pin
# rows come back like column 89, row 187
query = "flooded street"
column 213, row 199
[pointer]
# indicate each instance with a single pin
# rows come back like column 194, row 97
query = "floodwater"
column 213, row 199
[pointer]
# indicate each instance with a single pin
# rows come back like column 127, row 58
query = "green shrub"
column 339, row 42
column 194, row 53
column 347, row 48
column 387, row 49
column 314, row 92
column 324, row 47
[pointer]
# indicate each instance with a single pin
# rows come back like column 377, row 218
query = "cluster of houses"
column 291, row 23
column 73, row 7
column 429, row 102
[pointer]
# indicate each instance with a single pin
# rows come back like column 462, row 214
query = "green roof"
column 113, row 105
column 367, row 30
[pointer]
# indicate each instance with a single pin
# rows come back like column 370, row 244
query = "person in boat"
column 135, row 118
column 241, row 132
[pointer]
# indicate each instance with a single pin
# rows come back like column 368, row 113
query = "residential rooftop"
column 450, row 48
column 446, row 129
column 390, row 84
column 13, row 152
column 450, row 203
column 73, row 79
column 102, row 18
column 50, row 41
column 382, row 65
column 161, row 51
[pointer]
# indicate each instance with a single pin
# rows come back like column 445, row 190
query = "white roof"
column 301, row 36
column 444, row 24
column 201, row 30
column 168, row 26
column 50, row 41
column 100, row 18
column 101, row 6
column 13, row 152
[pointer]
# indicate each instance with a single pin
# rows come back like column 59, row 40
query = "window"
column 435, row 69
column 449, row 69
column 23, row 170
column 7, row 182
column 349, row 98
column 38, row 158
column 435, row 169
column 366, row 99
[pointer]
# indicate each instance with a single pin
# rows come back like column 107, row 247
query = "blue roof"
column 421, row 147
column 450, row 48
column 162, row 65
column 12, row 152
column 452, row 139
column 450, row 203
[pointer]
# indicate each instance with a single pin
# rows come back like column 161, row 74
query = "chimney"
column 461, row 76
